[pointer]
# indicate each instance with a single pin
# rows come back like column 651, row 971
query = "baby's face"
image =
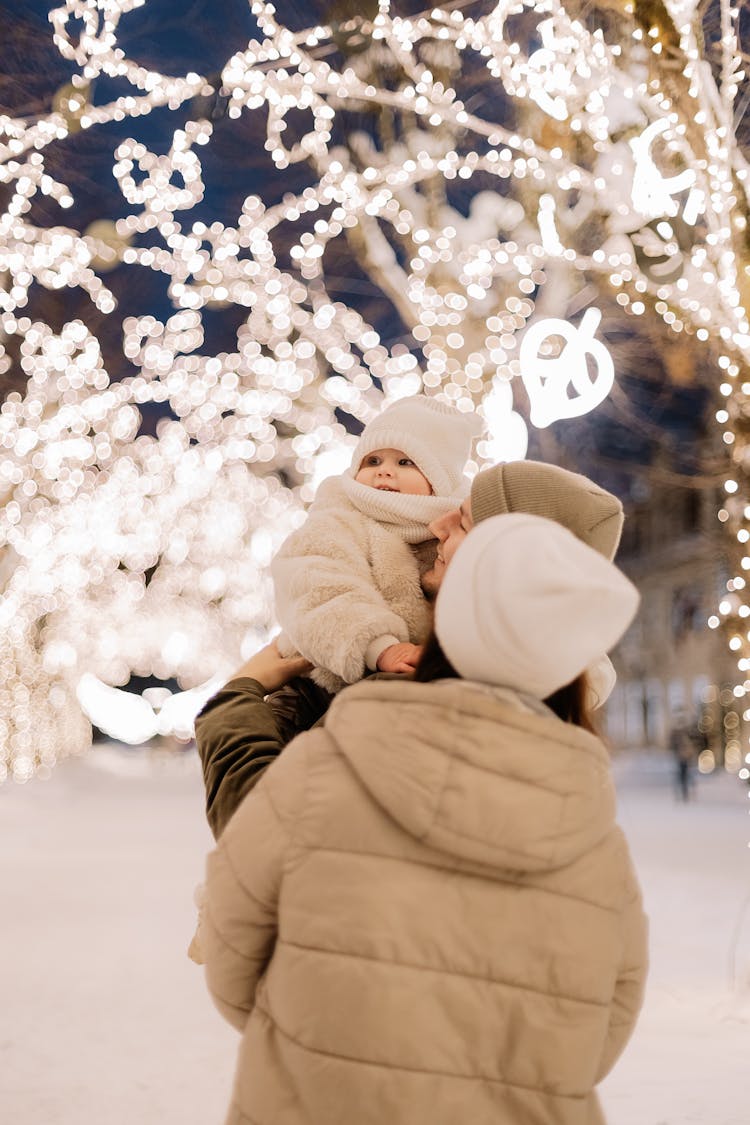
column 390, row 470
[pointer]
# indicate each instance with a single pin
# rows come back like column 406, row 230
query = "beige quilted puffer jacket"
column 425, row 914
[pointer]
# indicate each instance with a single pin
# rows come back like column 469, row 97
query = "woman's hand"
column 271, row 669
column 400, row 658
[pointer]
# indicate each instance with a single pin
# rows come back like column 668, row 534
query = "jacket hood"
column 476, row 776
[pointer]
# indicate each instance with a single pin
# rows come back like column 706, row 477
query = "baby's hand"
column 399, row 658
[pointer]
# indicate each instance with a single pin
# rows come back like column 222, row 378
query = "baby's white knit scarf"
column 405, row 514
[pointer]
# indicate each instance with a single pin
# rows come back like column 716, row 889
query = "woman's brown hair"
column 569, row 703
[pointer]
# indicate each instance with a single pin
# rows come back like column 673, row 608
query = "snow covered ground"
column 687, row 1062
column 105, row 1021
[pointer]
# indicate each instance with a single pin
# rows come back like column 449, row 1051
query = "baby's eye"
column 406, row 461
column 372, row 460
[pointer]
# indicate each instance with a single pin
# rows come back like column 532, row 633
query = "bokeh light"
column 127, row 552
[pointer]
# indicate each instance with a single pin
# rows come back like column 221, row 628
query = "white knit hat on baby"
column 525, row 604
column 435, row 436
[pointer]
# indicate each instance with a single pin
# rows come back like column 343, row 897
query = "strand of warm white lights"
column 123, row 554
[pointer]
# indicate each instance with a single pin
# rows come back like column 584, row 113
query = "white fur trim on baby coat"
column 345, row 578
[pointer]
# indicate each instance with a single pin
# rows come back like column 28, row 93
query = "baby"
column 347, row 583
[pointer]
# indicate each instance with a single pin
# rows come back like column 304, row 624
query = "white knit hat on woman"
column 525, row 604
column 435, row 436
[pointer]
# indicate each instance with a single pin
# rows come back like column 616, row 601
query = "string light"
column 123, row 553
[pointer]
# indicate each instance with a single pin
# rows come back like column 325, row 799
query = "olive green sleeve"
column 240, row 732
column 238, row 738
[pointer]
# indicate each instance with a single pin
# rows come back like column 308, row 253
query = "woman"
column 424, row 912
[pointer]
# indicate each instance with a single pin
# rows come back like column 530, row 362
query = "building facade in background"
column 671, row 665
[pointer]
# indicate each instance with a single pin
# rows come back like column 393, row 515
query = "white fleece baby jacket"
column 347, row 582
